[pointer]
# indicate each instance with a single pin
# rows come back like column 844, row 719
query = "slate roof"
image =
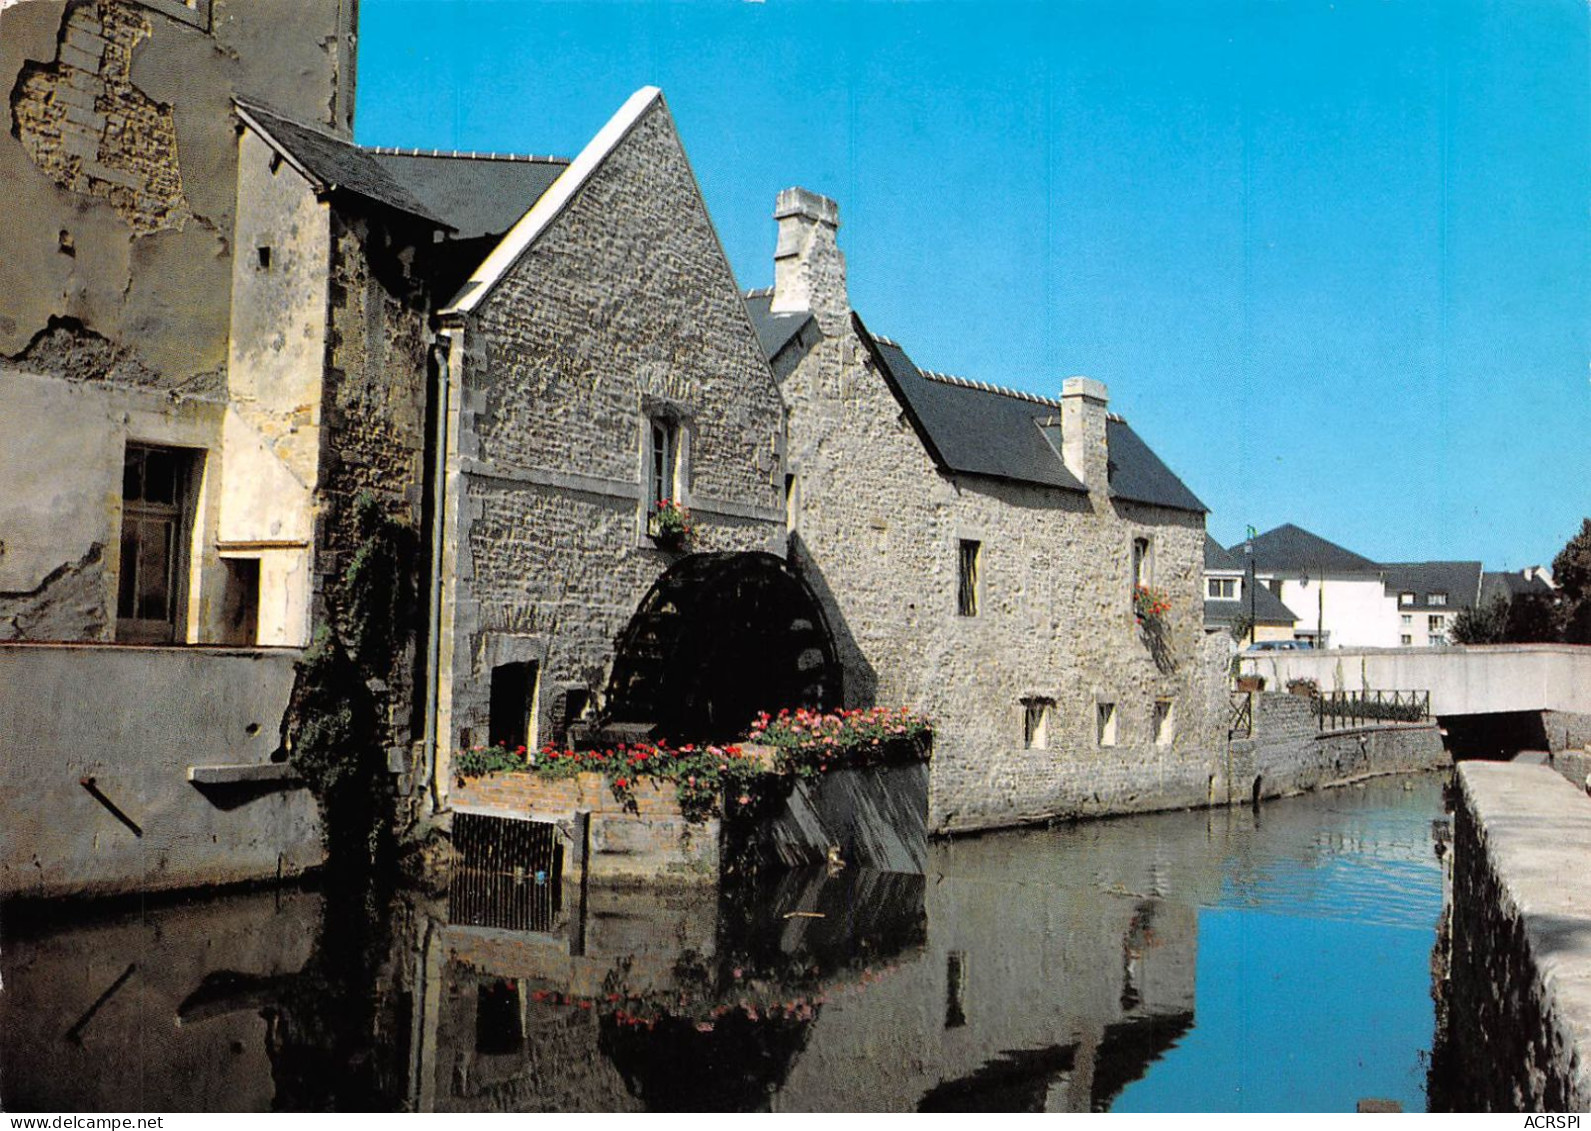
column 774, row 331
column 977, row 429
column 1215, row 558
column 1512, row 585
column 1291, row 548
column 1460, row 581
column 334, row 163
column 476, row 194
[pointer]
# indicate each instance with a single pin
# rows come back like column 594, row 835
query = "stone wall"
column 653, row 843
column 876, row 528
column 1566, row 730
column 100, row 802
column 1518, row 1006
column 623, row 309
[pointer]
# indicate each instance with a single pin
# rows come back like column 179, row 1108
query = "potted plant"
column 1149, row 604
column 669, row 525
column 1251, row 683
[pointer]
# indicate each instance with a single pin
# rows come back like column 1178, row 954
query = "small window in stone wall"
column 663, row 467
column 1165, row 722
column 967, row 580
column 1142, row 566
column 1106, row 719
column 513, row 705
column 1036, row 722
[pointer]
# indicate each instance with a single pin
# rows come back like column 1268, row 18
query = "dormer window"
column 1406, row 598
column 1221, row 588
column 1436, row 599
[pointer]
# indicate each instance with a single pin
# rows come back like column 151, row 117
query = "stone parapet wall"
column 1519, row 997
column 653, row 843
column 1288, row 753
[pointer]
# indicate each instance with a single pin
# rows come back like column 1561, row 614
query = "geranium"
column 1149, row 603
column 671, row 521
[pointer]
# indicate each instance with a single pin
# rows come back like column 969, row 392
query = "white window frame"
column 1216, row 589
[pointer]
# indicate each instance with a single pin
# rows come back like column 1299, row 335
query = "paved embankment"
column 1520, row 1005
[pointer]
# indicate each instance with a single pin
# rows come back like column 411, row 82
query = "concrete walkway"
column 1522, row 934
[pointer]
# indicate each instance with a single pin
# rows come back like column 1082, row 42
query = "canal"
column 1223, row 960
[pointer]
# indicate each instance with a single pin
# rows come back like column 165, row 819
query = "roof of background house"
column 1512, row 585
column 478, row 194
column 332, row 162
column 774, row 331
column 978, row 429
column 1290, row 548
column 1459, row 582
column 1268, row 609
column 1217, row 559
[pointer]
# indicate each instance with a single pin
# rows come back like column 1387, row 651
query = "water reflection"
column 1173, row 962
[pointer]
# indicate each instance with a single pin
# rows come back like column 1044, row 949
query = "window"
column 1435, row 623
column 263, row 257
column 1437, row 640
column 157, row 522
column 967, row 577
column 1405, row 598
column 1036, row 723
column 1406, row 638
column 1407, row 620
column 1106, row 713
column 663, row 472
column 513, row 705
column 1221, row 588
column 240, row 601
column 1275, row 586
column 1436, row 599
column 1164, row 722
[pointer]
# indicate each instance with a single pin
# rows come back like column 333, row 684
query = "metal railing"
column 1337, row 709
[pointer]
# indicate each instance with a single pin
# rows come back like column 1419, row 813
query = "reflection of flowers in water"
column 752, row 1000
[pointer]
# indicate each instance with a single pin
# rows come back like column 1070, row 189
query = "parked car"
column 1280, row 646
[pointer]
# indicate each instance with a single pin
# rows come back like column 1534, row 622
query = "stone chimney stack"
column 1083, row 444
column 808, row 268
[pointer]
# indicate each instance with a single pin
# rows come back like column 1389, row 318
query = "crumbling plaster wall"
column 60, row 516
column 118, row 161
column 624, row 304
column 877, row 530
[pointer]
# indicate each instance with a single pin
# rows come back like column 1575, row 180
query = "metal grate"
column 506, row 873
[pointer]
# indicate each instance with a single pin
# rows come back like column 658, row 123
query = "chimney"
column 808, row 268
column 1083, row 445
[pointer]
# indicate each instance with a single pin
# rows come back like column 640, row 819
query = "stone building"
column 977, row 552
column 599, row 362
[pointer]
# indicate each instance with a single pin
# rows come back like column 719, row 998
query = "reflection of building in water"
column 865, row 991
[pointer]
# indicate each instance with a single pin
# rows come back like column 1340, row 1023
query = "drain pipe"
column 440, row 351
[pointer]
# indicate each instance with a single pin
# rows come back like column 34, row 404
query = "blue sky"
column 1332, row 259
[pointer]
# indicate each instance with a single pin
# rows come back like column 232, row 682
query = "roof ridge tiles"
column 985, row 386
column 760, row 292
column 472, row 155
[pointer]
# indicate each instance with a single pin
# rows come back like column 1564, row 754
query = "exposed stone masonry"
column 83, row 121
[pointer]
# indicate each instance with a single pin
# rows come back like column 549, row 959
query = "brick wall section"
column 624, row 306
column 1518, row 1009
column 654, row 844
